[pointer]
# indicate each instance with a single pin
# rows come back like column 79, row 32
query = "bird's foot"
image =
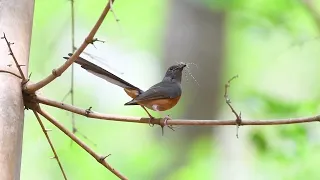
column 165, row 124
column 151, row 118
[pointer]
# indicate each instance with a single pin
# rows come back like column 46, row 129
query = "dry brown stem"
column 45, row 131
column 159, row 121
column 100, row 159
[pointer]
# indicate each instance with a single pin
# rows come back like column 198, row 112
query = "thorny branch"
column 24, row 80
column 32, row 88
column 35, row 113
column 228, row 101
column 160, row 121
column 50, row 143
column 100, row 159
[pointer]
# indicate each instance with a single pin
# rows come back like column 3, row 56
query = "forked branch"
column 100, row 159
column 228, row 101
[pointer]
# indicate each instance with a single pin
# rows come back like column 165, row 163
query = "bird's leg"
column 150, row 116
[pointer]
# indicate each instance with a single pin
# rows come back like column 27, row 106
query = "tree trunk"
column 195, row 34
column 16, row 22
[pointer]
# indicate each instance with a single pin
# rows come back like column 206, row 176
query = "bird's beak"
column 182, row 65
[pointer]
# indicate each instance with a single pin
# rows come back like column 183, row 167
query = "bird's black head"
column 174, row 73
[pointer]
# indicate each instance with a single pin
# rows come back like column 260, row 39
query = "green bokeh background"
column 274, row 47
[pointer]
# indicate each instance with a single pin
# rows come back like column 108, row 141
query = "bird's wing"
column 162, row 90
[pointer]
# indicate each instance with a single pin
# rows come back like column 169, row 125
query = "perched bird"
column 159, row 97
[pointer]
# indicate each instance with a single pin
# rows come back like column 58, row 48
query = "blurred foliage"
column 273, row 46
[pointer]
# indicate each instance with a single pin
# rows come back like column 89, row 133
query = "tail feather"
column 132, row 102
column 102, row 73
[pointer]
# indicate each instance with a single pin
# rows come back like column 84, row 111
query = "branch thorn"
column 88, row 111
column 53, row 157
column 104, row 157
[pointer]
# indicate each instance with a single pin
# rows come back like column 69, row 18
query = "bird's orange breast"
column 160, row 104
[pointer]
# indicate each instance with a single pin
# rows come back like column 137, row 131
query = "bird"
column 160, row 97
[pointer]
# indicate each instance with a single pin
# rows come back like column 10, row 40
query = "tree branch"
column 160, row 121
column 71, row 90
column 9, row 72
column 114, row 14
column 73, row 48
column 100, row 159
column 57, row 72
column 14, row 58
column 228, row 101
column 50, row 143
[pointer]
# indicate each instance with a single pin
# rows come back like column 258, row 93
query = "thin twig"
column 160, row 121
column 57, row 72
column 14, row 58
column 228, row 101
column 50, row 143
column 71, row 91
column 73, row 48
column 116, row 17
column 100, row 159
column 114, row 14
column 66, row 95
column 84, row 136
column 74, row 129
column 4, row 71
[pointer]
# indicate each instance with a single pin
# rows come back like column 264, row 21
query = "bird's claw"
column 165, row 124
column 150, row 121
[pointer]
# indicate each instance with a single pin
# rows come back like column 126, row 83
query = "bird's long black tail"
column 104, row 74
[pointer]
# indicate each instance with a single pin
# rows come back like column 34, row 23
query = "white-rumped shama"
column 159, row 97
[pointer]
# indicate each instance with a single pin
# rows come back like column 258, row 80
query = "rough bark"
column 16, row 21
